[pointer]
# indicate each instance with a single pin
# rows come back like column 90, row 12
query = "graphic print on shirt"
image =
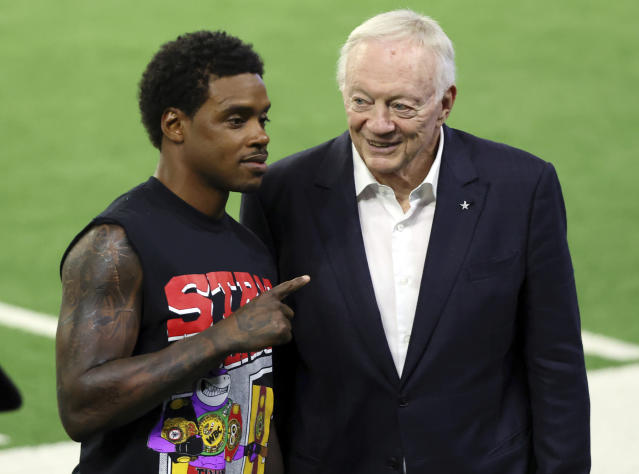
column 223, row 425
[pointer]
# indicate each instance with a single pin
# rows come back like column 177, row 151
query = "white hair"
column 404, row 25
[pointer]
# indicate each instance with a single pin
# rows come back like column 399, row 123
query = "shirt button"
column 400, row 227
column 403, row 281
column 407, row 338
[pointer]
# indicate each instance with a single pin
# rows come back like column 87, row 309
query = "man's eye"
column 264, row 120
column 403, row 110
column 359, row 104
column 236, row 122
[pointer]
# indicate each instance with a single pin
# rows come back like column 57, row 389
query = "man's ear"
column 172, row 123
column 448, row 100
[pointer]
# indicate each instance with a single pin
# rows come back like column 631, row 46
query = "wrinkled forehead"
column 390, row 62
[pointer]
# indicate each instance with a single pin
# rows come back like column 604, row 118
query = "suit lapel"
column 334, row 206
column 451, row 234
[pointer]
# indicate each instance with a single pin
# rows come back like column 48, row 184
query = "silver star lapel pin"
column 464, row 205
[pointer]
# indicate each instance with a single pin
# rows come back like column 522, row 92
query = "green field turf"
column 556, row 78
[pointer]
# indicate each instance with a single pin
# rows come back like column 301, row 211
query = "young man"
column 441, row 334
column 163, row 343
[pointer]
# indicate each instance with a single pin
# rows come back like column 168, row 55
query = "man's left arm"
column 552, row 333
column 253, row 216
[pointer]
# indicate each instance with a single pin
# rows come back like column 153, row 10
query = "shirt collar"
column 364, row 178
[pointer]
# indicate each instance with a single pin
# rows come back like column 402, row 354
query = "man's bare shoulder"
column 104, row 246
column 101, row 269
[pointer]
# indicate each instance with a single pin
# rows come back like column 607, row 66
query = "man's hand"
column 265, row 321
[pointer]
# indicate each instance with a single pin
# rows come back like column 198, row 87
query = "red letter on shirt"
column 222, row 281
column 247, row 285
column 188, row 304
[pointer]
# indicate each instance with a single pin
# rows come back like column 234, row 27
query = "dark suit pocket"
column 489, row 268
column 510, row 444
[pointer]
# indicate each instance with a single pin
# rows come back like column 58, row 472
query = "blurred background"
column 558, row 79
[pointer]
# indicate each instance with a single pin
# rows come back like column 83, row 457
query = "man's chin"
column 250, row 186
column 382, row 164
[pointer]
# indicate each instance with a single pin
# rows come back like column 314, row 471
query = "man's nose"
column 260, row 137
column 380, row 122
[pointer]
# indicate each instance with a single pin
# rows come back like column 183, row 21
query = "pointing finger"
column 284, row 289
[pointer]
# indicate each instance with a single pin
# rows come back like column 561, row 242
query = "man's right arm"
column 100, row 384
column 252, row 216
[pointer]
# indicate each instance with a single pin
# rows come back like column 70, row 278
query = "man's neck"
column 192, row 189
column 406, row 180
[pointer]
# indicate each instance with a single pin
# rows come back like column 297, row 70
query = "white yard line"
column 613, row 419
column 27, row 320
column 45, row 325
column 56, row 458
column 609, row 348
column 613, row 392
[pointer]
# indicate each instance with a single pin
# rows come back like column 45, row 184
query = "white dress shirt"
column 396, row 245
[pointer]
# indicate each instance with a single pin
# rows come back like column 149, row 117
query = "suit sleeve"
column 553, row 349
column 252, row 215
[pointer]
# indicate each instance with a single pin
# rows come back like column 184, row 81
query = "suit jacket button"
column 403, row 403
column 393, row 463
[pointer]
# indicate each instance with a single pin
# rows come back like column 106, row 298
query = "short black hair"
column 179, row 74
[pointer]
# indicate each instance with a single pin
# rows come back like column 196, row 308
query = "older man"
column 442, row 333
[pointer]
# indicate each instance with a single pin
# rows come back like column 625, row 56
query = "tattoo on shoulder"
column 101, row 278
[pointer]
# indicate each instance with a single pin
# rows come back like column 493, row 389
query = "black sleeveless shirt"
column 196, row 271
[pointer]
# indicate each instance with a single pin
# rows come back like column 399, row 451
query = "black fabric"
column 10, row 398
column 197, row 270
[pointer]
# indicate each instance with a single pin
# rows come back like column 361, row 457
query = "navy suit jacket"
column 494, row 380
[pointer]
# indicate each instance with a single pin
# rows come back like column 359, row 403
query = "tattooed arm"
column 100, row 384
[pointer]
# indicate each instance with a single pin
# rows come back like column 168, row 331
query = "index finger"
column 284, row 289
